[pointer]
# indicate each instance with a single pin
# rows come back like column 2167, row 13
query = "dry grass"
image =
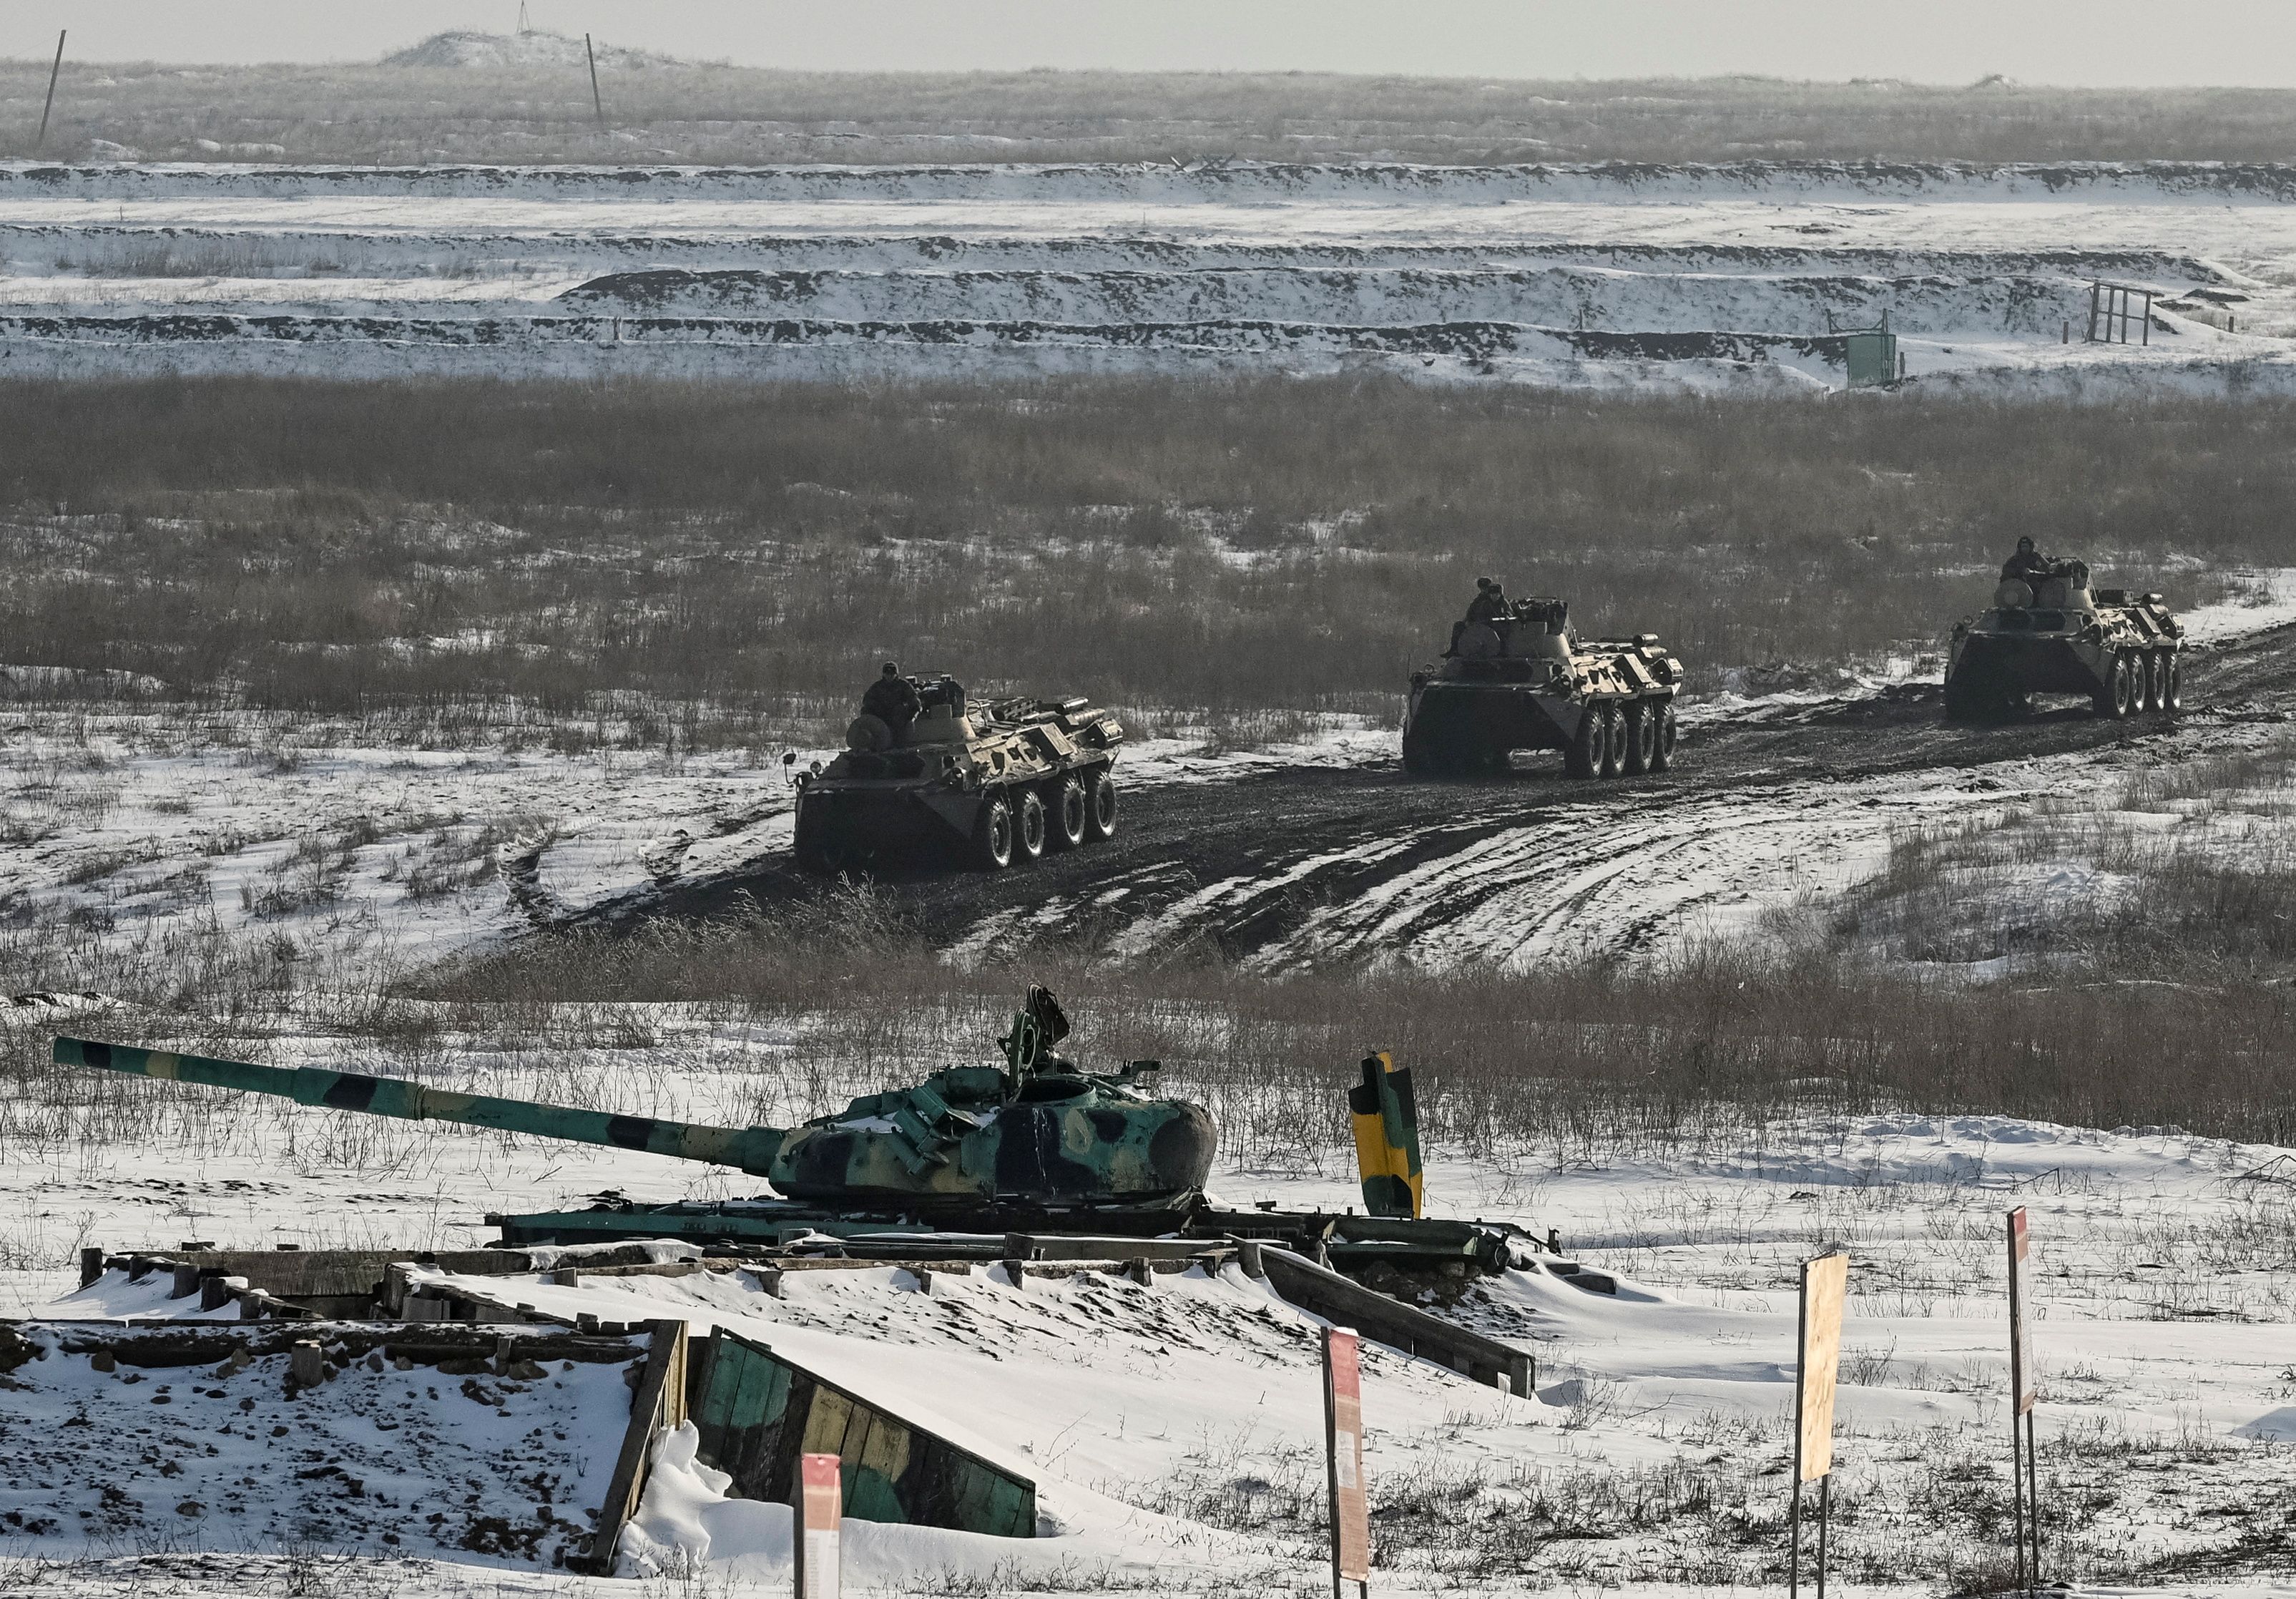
column 1580, row 1062
column 699, row 554
column 2186, row 874
column 723, row 114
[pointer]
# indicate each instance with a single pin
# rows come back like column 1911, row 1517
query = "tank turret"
column 1038, row 1130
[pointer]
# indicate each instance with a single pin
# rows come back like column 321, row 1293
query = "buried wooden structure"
column 759, row 1412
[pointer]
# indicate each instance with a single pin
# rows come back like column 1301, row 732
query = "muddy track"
column 1317, row 863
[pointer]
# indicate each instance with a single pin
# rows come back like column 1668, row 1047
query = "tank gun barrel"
column 750, row 1149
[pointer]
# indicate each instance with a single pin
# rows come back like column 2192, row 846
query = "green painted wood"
column 755, row 1411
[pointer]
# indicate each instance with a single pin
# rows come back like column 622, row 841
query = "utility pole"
column 597, row 104
column 53, row 73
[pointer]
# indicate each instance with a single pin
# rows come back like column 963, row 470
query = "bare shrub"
column 664, row 566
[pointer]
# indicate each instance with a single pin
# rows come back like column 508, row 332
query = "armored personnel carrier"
column 990, row 784
column 2057, row 635
column 1520, row 682
column 947, row 1166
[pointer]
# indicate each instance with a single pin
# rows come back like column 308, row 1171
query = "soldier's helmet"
column 892, row 669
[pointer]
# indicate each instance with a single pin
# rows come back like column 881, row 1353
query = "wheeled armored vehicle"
column 2057, row 635
column 1521, row 681
column 990, row 784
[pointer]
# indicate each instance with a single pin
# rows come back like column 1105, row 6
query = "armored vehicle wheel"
column 1418, row 759
column 992, row 835
column 817, row 852
column 1066, row 810
column 2172, row 681
column 2119, row 695
column 1584, row 758
column 1662, row 738
column 1614, row 741
column 1029, row 831
column 1642, row 738
column 2158, row 681
column 1100, row 806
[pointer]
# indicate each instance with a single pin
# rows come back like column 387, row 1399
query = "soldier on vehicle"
column 1489, row 606
column 2027, row 565
column 893, row 699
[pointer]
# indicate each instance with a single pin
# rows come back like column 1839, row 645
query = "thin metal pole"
column 53, row 72
column 2033, row 1492
column 1825, row 1515
column 596, row 103
column 2092, row 289
column 1793, row 1537
column 2148, row 319
column 2017, row 1478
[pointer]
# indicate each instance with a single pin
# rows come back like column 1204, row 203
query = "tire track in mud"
column 1314, row 864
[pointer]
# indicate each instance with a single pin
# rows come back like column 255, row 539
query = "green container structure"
column 1871, row 354
column 757, row 1414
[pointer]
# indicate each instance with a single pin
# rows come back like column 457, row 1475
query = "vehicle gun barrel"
column 749, row 1149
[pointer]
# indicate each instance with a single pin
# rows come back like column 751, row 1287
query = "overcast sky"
column 2111, row 42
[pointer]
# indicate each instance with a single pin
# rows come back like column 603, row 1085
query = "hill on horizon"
column 533, row 47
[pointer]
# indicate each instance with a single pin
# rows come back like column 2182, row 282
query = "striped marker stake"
column 819, row 1504
column 1343, row 1453
column 2024, row 1463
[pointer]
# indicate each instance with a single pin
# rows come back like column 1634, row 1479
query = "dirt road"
column 1310, row 863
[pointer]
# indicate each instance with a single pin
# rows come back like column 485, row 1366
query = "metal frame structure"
column 2108, row 314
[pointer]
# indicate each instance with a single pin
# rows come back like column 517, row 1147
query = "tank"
column 1036, row 1131
column 1521, row 681
column 988, row 785
column 2060, row 637
column 1031, row 1157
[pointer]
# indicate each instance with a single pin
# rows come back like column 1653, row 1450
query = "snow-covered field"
column 1615, row 277
column 140, row 826
column 1173, row 1429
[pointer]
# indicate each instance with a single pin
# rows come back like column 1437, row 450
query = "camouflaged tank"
column 991, row 784
column 2060, row 637
column 1040, row 1130
column 1520, row 682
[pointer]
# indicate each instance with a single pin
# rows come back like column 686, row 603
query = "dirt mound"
column 464, row 48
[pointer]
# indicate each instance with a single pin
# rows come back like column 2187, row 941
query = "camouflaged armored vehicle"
column 1519, row 682
column 989, row 784
column 953, row 1167
column 2057, row 635
column 1039, row 1129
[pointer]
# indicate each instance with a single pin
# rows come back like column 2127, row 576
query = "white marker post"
column 1824, row 1284
column 2024, row 1389
column 820, row 1503
column 1343, row 1456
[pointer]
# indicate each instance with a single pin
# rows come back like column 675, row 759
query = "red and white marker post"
column 820, row 1504
column 2025, row 1388
column 1343, row 1456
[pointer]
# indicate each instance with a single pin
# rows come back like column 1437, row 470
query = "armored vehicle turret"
column 1519, row 681
column 990, row 784
column 2054, row 634
column 1038, row 1131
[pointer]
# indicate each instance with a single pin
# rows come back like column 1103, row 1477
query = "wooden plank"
column 1325, row 1292
column 665, row 1361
